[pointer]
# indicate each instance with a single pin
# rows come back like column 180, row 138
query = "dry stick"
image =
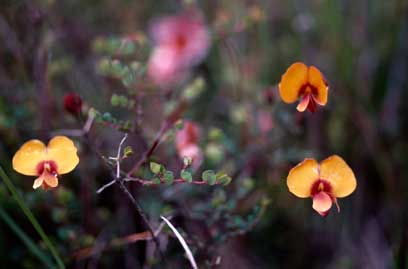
column 142, row 214
column 115, row 242
column 166, row 125
column 125, row 190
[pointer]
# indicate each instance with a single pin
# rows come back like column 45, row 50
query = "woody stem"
column 141, row 213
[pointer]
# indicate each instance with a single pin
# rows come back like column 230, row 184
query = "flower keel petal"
column 322, row 203
column 38, row 182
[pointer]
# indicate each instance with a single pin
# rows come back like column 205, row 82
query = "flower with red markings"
column 46, row 162
column 324, row 182
column 306, row 83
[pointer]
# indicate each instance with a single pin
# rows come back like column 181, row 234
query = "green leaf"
column 186, row 175
column 209, row 177
column 156, row 180
column 155, row 167
column 128, row 151
column 107, row 116
column 168, row 177
column 179, row 124
column 115, row 100
column 225, row 180
column 128, row 79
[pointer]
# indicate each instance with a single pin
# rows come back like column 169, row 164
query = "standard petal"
column 317, row 80
column 63, row 152
column 292, row 81
column 336, row 171
column 302, row 177
column 322, row 202
column 27, row 158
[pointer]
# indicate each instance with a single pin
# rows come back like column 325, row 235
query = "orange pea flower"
column 324, row 182
column 46, row 162
column 306, row 83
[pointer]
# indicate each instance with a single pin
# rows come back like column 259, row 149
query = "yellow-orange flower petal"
column 316, row 79
column 336, row 171
column 322, row 202
column 28, row 156
column 302, row 176
column 63, row 152
column 292, row 81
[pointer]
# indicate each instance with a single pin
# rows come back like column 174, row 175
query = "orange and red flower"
column 324, row 182
column 306, row 83
column 46, row 162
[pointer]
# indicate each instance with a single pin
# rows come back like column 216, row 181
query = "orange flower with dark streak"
column 306, row 83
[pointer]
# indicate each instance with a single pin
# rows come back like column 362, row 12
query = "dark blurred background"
column 49, row 48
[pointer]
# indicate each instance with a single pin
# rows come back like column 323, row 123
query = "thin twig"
column 101, row 189
column 142, row 214
column 116, row 242
column 166, row 125
column 77, row 132
column 118, row 159
column 118, row 180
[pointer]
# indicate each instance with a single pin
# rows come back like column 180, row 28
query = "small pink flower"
column 194, row 152
column 188, row 135
column 187, row 143
column 181, row 42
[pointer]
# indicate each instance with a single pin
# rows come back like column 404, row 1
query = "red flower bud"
column 73, row 103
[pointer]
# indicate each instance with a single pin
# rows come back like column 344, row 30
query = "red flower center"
column 308, row 94
column 180, row 42
column 48, row 167
column 321, row 185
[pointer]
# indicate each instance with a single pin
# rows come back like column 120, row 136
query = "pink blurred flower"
column 181, row 42
column 188, row 135
column 194, row 152
column 265, row 121
column 187, row 143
